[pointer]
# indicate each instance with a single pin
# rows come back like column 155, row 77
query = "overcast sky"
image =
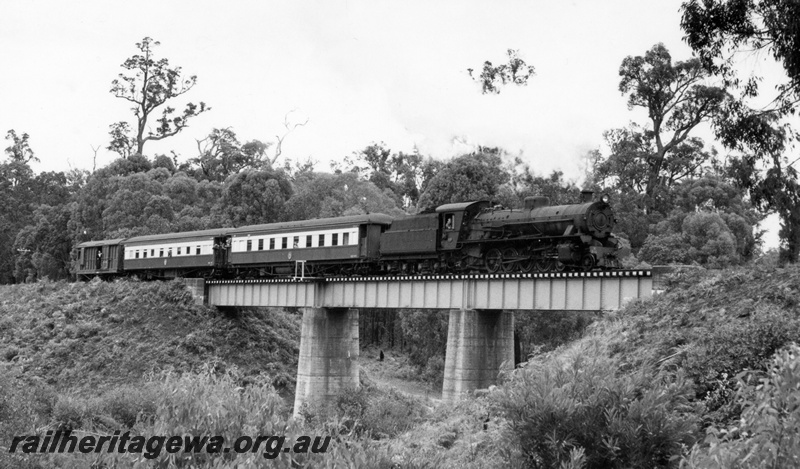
column 359, row 71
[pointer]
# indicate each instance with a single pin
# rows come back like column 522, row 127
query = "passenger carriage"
column 187, row 254
column 310, row 247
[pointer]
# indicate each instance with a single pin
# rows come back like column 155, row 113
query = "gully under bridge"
column 480, row 337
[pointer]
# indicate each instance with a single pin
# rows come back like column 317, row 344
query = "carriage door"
column 362, row 241
column 220, row 251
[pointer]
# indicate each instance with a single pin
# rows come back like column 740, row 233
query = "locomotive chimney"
column 586, row 196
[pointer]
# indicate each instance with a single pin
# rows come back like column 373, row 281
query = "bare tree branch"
column 280, row 139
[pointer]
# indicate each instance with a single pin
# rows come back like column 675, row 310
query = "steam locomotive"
column 468, row 237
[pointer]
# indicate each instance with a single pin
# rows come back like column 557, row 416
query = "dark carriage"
column 100, row 259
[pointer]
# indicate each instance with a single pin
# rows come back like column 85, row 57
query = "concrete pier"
column 329, row 351
column 479, row 342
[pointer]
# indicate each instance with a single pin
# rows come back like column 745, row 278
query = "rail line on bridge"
column 602, row 290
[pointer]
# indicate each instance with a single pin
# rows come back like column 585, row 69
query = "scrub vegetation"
column 697, row 376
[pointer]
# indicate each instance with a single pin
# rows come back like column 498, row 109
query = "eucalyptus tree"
column 721, row 32
column 221, row 154
column 148, row 84
column 677, row 98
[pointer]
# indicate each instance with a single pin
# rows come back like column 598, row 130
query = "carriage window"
column 308, row 241
column 179, row 250
column 284, row 242
column 152, row 253
column 261, row 244
column 161, row 252
column 137, row 254
column 335, row 239
column 272, row 243
column 296, row 242
column 321, row 240
column 169, row 252
column 197, row 251
column 345, row 239
column 145, row 254
column 249, row 244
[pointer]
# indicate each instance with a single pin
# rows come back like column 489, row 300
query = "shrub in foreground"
column 578, row 409
column 211, row 404
column 370, row 411
column 768, row 433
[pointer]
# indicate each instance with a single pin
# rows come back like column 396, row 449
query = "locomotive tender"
column 458, row 238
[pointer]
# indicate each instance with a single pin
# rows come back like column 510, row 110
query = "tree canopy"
column 719, row 31
column 221, row 154
column 475, row 176
column 674, row 200
column 493, row 77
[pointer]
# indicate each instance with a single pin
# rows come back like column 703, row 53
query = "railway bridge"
column 480, row 336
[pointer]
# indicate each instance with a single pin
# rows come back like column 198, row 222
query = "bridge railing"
column 535, row 291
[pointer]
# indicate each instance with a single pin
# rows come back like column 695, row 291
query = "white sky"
column 360, row 71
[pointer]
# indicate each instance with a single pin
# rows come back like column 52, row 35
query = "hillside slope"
column 714, row 325
column 94, row 336
column 639, row 389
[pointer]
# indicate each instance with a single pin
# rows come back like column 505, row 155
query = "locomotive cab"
column 454, row 222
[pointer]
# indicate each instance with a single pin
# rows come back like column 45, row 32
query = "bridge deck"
column 540, row 291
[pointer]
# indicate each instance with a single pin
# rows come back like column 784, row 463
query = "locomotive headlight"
column 605, row 198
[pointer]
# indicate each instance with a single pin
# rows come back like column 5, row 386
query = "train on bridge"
column 458, row 238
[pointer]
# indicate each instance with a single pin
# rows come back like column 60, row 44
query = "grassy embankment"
column 100, row 335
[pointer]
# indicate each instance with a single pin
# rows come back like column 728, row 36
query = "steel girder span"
column 571, row 291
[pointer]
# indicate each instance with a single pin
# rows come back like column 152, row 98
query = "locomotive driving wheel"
column 588, row 262
column 543, row 265
column 493, row 260
column 509, row 265
column 527, row 265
